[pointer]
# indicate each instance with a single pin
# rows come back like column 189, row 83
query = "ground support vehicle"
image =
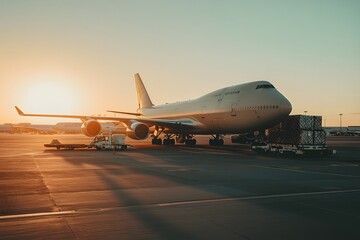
column 100, row 142
column 110, row 142
column 242, row 138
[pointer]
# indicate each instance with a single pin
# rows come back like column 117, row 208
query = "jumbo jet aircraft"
column 236, row 109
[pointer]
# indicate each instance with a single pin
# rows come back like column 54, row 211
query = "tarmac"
column 176, row 192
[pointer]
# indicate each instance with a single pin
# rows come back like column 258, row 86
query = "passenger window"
column 265, row 86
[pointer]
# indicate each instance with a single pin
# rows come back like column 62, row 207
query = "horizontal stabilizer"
column 19, row 111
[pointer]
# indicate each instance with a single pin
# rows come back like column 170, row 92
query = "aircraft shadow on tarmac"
column 146, row 173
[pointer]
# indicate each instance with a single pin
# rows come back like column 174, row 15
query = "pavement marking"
column 344, row 165
column 169, row 204
column 256, row 197
column 20, row 154
column 36, row 214
column 303, row 171
column 182, row 170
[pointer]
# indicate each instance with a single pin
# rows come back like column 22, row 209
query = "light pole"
column 340, row 121
column 305, row 112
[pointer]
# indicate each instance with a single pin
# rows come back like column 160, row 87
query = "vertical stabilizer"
column 143, row 97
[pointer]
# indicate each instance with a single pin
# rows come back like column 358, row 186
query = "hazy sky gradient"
column 79, row 57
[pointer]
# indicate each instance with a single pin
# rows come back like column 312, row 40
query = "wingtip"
column 21, row 113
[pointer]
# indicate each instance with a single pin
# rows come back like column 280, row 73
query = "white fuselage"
column 236, row 109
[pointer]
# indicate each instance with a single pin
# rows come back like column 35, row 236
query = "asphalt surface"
column 176, row 192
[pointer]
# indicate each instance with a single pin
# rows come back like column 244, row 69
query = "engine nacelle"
column 138, row 131
column 91, row 128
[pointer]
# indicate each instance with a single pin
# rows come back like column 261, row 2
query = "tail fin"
column 143, row 97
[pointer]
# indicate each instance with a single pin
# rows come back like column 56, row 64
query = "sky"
column 80, row 57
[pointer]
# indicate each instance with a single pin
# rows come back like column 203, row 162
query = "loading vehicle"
column 100, row 142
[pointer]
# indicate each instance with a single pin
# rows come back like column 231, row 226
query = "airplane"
column 353, row 130
column 27, row 128
column 68, row 127
column 40, row 129
column 241, row 108
column 344, row 131
column 7, row 128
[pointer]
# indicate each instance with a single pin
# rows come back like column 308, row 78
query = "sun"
column 49, row 95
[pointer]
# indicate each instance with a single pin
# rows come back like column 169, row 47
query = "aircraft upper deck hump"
column 143, row 96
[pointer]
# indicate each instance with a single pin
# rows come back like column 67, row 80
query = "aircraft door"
column 233, row 109
column 221, row 96
column 203, row 111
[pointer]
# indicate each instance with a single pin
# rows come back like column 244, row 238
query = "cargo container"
column 297, row 134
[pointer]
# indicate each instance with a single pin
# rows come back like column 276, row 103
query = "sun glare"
column 49, row 95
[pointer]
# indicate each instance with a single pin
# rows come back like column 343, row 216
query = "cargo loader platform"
column 58, row 145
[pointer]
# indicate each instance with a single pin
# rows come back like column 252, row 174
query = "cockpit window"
column 265, row 86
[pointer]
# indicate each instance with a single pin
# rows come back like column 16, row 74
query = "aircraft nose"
column 285, row 107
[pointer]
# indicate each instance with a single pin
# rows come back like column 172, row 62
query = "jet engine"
column 138, row 131
column 91, row 128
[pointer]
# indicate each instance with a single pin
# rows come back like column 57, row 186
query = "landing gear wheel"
column 156, row 141
column 190, row 142
column 216, row 141
column 169, row 141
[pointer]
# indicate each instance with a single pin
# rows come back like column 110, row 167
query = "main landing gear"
column 156, row 140
column 216, row 140
column 190, row 142
column 168, row 140
column 188, row 139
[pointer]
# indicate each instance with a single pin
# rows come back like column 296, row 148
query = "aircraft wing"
column 81, row 117
column 180, row 124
